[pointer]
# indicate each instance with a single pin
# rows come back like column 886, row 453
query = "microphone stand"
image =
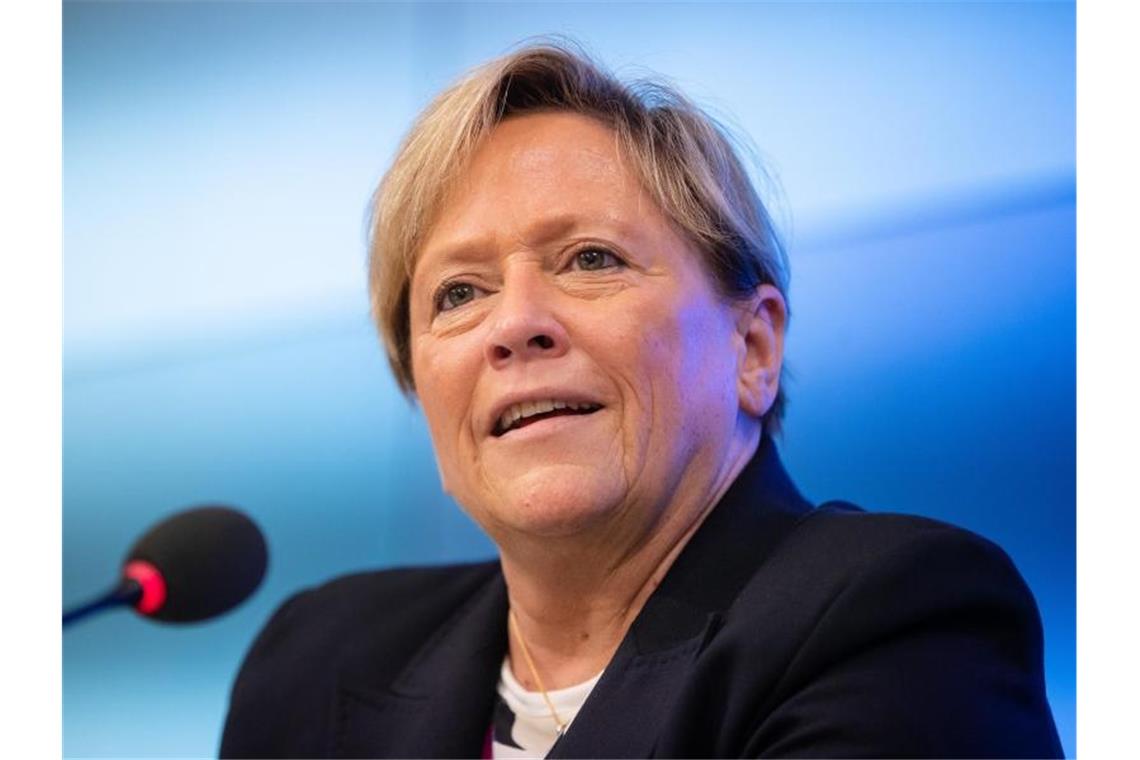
column 127, row 593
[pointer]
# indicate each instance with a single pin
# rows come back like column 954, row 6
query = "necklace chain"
column 559, row 725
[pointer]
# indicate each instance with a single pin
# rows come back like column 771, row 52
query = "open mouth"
column 528, row 412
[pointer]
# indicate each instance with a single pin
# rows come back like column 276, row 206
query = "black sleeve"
column 933, row 649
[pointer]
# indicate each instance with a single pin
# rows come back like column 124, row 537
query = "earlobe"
column 761, row 328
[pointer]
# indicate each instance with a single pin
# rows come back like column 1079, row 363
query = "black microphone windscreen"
column 210, row 558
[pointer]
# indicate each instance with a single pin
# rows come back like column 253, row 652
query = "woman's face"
column 552, row 287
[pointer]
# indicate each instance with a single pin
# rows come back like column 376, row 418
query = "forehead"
column 536, row 174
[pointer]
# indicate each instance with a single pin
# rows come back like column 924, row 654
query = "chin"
column 558, row 501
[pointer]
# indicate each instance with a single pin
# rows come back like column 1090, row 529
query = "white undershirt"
column 534, row 730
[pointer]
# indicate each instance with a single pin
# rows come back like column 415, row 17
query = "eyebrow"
column 540, row 233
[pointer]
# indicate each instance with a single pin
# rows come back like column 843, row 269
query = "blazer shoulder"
column 394, row 605
column 845, row 551
column 864, row 634
column 370, row 622
column 933, row 620
column 854, row 539
column 346, row 599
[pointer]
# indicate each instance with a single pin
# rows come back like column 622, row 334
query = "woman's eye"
column 596, row 258
column 457, row 294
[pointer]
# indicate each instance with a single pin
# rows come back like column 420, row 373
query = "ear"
column 761, row 325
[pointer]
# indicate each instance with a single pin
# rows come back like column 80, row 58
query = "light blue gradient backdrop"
column 218, row 161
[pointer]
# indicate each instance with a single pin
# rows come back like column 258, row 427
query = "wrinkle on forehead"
column 537, row 146
column 590, row 164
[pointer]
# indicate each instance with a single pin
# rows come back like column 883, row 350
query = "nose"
column 523, row 327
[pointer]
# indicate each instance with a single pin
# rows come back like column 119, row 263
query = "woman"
column 580, row 286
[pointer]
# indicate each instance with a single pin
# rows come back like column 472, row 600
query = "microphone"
column 194, row 565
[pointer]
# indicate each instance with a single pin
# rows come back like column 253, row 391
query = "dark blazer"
column 780, row 631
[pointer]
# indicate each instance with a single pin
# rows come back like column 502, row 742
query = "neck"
column 575, row 598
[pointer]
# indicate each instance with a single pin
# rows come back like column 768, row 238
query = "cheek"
column 676, row 344
column 652, row 350
column 695, row 365
column 445, row 376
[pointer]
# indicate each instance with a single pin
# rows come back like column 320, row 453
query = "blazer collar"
column 757, row 511
column 441, row 704
column 625, row 711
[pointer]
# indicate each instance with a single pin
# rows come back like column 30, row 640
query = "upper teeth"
column 516, row 412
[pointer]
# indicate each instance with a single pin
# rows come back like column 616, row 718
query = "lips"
column 513, row 416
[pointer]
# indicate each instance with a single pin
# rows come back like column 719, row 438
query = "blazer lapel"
column 632, row 700
column 440, row 706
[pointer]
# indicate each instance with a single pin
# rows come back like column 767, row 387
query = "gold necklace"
column 559, row 725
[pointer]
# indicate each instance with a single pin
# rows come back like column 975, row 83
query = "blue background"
column 218, row 162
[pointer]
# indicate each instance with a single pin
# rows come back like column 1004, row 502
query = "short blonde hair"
column 685, row 160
